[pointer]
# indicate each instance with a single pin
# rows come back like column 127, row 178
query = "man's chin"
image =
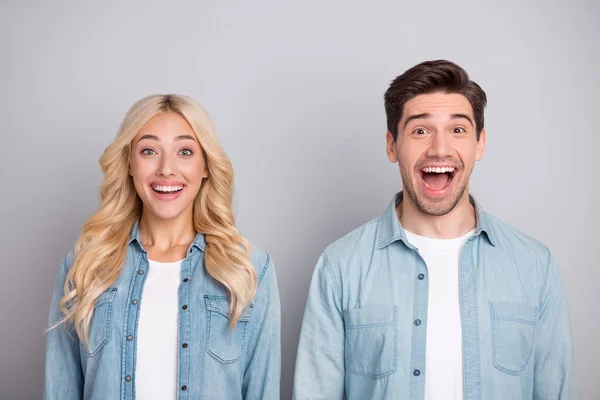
column 437, row 207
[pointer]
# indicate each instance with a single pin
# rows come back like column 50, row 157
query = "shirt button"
column 134, row 302
column 417, row 322
column 184, row 387
column 185, row 345
column 128, row 378
column 184, row 307
column 186, row 279
column 416, row 372
column 421, row 277
column 130, row 338
column 141, row 271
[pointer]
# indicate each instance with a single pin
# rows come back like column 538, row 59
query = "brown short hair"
column 430, row 77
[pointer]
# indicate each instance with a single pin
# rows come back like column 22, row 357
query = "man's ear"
column 390, row 147
column 480, row 145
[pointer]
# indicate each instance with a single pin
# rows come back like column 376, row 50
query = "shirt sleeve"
column 554, row 374
column 64, row 376
column 263, row 369
column 320, row 361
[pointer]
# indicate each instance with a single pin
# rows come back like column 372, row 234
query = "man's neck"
column 458, row 222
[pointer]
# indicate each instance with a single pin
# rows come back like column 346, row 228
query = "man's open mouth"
column 438, row 178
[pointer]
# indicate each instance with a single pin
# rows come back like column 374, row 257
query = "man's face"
column 436, row 150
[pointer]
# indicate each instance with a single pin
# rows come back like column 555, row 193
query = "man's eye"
column 148, row 152
column 186, row 152
column 420, row 131
column 458, row 130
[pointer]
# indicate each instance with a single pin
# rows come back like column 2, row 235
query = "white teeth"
column 438, row 170
column 160, row 188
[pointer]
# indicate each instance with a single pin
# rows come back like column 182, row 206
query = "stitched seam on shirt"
column 369, row 325
column 496, row 363
column 68, row 325
column 109, row 299
column 135, row 323
column 65, row 265
column 380, row 243
column 546, row 279
column 264, row 269
column 356, row 231
column 248, row 321
column 519, row 320
column 327, row 266
column 215, row 355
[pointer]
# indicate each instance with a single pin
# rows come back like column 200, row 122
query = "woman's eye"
column 186, row 152
column 148, row 152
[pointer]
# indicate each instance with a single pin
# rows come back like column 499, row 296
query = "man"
column 435, row 298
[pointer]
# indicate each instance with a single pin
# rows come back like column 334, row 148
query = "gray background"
column 295, row 90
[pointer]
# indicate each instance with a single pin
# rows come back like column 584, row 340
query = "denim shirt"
column 213, row 361
column 365, row 322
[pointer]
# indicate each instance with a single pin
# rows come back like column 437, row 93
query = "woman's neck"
column 164, row 235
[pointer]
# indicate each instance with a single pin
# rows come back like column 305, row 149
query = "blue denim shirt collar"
column 199, row 241
column 391, row 230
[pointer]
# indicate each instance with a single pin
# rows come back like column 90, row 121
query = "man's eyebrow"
column 416, row 116
column 427, row 115
column 462, row 116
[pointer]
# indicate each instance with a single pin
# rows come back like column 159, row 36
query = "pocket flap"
column 370, row 316
column 510, row 311
column 106, row 297
column 220, row 304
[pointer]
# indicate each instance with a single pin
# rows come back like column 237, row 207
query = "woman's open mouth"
column 166, row 192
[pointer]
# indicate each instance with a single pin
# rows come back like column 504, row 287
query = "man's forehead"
column 438, row 104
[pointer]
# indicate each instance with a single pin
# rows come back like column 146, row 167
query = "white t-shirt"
column 156, row 362
column 444, row 367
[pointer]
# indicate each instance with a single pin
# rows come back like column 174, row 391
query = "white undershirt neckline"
column 415, row 240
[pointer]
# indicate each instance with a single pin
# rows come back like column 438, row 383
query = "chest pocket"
column 99, row 332
column 371, row 340
column 222, row 343
column 513, row 332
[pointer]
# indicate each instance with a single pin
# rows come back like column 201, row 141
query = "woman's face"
column 167, row 166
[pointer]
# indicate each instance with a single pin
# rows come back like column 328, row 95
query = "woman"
column 162, row 298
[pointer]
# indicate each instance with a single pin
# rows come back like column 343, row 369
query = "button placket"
column 421, row 288
column 184, row 327
column 129, row 341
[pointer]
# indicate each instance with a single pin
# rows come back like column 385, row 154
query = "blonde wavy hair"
column 101, row 248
